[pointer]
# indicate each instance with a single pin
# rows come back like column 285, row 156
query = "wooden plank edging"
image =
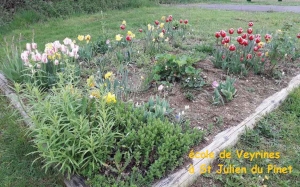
column 227, row 138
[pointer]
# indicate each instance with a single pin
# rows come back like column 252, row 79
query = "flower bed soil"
column 251, row 91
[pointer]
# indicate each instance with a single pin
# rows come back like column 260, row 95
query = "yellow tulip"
column 108, row 75
column 123, row 22
column 163, row 18
column 80, row 37
column 161, row 25
column 110, row 98
column 118, row 37
column 161, row 35
column 95, row 93
column 91, row 81
column 267, row 54
column 87, row 38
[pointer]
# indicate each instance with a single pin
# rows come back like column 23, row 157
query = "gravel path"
column 252, row 8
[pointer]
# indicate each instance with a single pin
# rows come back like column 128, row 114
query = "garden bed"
column 127, row 112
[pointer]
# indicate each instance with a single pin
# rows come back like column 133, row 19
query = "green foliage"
column 189, row 96
column 282, row 45
column 227, row 89
column 157, row 108
column 68, row 119
column 13, row 67
column 15, row 164
column 174, row 69
column 76, row 133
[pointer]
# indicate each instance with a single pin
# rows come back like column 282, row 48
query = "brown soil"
column 251, row 91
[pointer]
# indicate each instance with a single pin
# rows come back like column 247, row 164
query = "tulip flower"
column 232, row 47
column 239, row 30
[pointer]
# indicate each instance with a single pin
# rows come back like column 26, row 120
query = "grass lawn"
column 277, row 132
column 16, row 168
column 204, row 24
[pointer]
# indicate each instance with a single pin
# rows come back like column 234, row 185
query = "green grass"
column 16, row 168
column 277, row 132
column 204, row 23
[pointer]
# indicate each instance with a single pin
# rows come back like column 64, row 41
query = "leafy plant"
column 156, row 108
column 13, row 67
column 174, row 69
column 189, row 96
column 227, row 89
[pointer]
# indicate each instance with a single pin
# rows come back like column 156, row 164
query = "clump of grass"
column 15, row 165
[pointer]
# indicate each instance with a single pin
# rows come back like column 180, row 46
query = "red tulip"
column 223, row 56
column 257, row 40
column 262, row 59
column 122, row 27
column 226, row 39
column 231, row 31
column 167, row 20
column 232, row 47
column 298, row 35
column 186, row 21
column 250, row 24
column 249, row 56
column 223, row 42
column 244, row 35
column 163, row 30
column 259, row 54
column 239, row 39
column 217, row 34
column 268, row 37
column 128, row 38
column 249, row 30
column 257, row 36
column 241, row 59
column 239, row 30
column 156, row 22
column 251, row 37
column 245, row 42
column 170, row 18
column 223, row 33
column 256, row 48
column 180, row 21
column 140, row 30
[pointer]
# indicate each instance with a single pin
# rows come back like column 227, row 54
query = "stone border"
column 225, row 139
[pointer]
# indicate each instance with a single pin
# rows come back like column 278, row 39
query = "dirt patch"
column 251, row 91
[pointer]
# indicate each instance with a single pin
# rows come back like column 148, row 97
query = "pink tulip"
column 215, row 84
column 63, row 48
column 38, row 57
column 24, row 55
column 56, row 62
column 44, row 58
column 160, row 88
column 28, row 47
column 34, row 46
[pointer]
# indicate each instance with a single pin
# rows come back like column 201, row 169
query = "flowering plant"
column 45, row 66
column 249, row 52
